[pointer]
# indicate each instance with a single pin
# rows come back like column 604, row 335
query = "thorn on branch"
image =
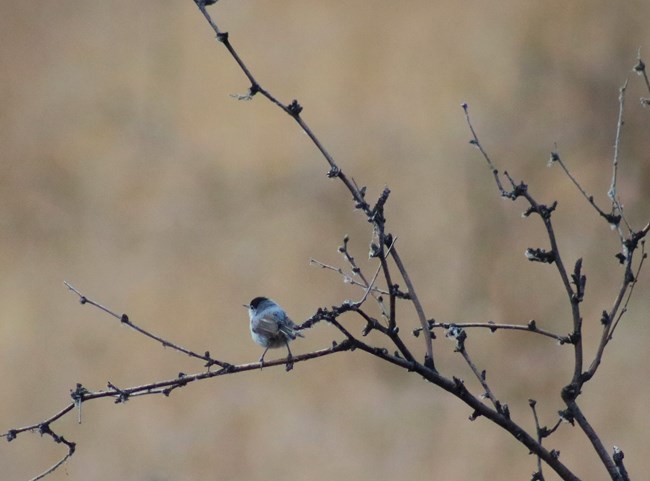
column 333, row 172
column 579, row 280
column 573, row 338
column 540, row 255
column 537, row 476
column 122, row 396
column 294, row 108
column 474, row 416
column 618, row 461
column 222, row 36
column 639, row 68
column 555, row 157
column 459, row 386
column 632, row 242
column 342, row 249
column 517, row 189
column 124, row 319
column 376, row 215
column 79, row 393
column 541, row 209
column 605, row 319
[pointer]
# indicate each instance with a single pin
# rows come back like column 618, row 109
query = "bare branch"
column 539, row 475
column 568, row 395
column 613, row 219
column 492, row 326
column 461, row 337
column 124, row 319
column 612, row 193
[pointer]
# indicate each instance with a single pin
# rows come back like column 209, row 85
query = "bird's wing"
column 266, row 325
column 288, row 329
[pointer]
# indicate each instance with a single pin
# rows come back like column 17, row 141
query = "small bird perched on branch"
column 270, row 326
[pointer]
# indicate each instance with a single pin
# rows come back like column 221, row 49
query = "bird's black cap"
column 256, row 302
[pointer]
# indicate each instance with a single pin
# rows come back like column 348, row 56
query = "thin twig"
column 461, row 337
column 54, row 467
column 492, row 326
column 369, row 288
column 612, row 193
column 348, row 278
column 630, row 291
column 591, row 435
column 539, row 476
column 612, row 318
column 345, row 251
column 612, row 219
column 544, row 212
column 429, row 362
column 124, row 319
column 475, row 142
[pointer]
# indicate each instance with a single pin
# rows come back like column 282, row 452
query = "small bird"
column 270, row 326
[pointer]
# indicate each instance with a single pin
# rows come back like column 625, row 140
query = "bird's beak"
column 246, row 306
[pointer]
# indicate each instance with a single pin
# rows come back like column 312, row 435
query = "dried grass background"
column 128, row 170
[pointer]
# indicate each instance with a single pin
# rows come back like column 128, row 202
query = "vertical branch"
column 568, row 395
column 539, row 475
column 612, row 193
column 428, row 361
column 617, row 143
column 521, row 190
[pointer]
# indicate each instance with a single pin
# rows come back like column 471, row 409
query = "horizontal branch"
column 81, row 395
column 492, row 326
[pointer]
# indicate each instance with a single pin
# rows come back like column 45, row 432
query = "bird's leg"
column 289, row 365
column 262, row 358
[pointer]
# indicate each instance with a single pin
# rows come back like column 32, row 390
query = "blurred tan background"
column 128, row 170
